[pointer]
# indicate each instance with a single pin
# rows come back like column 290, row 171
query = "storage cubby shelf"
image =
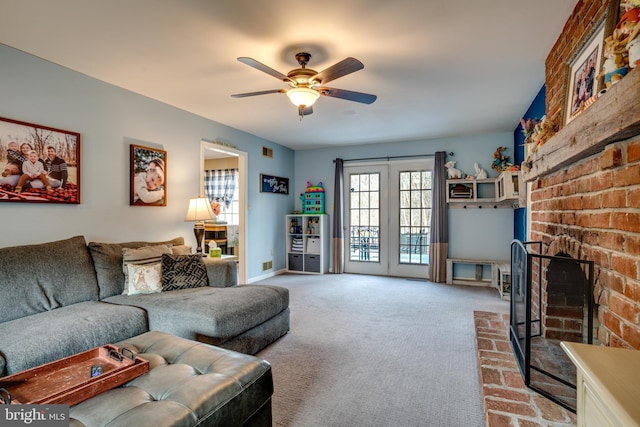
column 307, row 244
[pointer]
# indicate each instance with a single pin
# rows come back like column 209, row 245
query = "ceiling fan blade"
column 262, row 92
column 260, row 66
column 349, row 95
column 342, row 68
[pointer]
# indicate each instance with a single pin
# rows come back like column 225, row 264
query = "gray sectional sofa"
column 61, row 298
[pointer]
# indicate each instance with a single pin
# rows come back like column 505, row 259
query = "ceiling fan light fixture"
column 302, row 96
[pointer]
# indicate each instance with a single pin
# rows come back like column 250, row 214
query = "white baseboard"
column 266, row 276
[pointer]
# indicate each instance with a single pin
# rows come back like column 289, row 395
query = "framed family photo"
column 39, row 164
column 583, row 74
column 148, row 176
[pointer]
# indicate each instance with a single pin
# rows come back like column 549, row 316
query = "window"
column 221, row 185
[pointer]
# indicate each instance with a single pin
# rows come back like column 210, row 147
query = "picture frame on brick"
column 583, row 74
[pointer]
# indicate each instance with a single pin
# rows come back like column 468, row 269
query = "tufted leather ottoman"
column 189, row 383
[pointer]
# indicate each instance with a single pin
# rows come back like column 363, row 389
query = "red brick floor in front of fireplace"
column 507, row 401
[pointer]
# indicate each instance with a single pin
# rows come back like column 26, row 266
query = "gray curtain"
column 337, row 243
column 439, row 245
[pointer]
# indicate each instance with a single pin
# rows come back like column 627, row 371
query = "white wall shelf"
column 505, row 191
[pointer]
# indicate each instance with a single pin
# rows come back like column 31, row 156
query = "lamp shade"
column 302, row 96
column 199, row 210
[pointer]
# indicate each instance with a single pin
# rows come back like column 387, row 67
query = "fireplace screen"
column 551, row 301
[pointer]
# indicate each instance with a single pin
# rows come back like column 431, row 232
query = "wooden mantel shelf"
column 614, row 116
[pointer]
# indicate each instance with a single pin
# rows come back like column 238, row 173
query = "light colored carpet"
column 375, row 351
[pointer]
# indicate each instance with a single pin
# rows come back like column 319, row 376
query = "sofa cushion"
column 45, row 337
column 220, row 313
column 181, row 250
column 221, row 272
column 47, row 276
column 107, row 259
column 183, row 272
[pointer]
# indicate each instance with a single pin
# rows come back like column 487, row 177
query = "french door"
column 388, row 218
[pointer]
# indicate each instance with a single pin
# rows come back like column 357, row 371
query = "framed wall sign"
column 39, row 164
column 273, row 184
column 148, row 176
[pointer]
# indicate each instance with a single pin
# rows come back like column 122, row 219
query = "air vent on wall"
column 267, row 152
column 268, row 265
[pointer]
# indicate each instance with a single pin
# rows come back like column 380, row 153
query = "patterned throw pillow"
column 183, row 272
column 144, row 279
column 141, row 256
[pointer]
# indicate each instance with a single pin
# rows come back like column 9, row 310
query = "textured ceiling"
column 439, row 67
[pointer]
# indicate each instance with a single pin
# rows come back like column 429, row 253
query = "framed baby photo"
column 148, row 176
column 39, row 164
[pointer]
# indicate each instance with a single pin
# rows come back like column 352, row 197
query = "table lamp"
column 199, row 211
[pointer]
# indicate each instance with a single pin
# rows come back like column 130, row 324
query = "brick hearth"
column 507, row 401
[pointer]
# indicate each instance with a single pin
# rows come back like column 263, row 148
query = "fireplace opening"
column 551, row 301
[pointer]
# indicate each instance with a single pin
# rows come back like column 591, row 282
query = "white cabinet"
column 504, row 191
column 307, row 243
column 608, row 385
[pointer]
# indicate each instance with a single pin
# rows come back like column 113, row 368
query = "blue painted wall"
column 473, row 232
column 536, row 111
column 108, row 119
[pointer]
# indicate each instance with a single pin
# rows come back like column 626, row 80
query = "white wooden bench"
column 499, row 268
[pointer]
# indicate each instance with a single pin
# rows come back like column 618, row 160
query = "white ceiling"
column 439, row 67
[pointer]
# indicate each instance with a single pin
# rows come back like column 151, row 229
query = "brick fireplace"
column 585, row 185
column 584, row 204
column 585, row 201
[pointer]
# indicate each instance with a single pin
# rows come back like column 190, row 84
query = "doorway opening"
column 234, row 210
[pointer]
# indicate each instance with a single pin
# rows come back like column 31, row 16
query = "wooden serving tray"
column 69, row 381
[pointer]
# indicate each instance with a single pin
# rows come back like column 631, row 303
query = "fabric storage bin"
column 313, row 245
column 295, row 262
column 312, row 263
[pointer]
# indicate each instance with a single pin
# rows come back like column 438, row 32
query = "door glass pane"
column 415, row 216
column 364, row 241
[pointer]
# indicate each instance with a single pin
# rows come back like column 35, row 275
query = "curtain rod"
column 392, row 157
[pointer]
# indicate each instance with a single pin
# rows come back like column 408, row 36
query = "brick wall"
column 586, row 15
column 591, row 210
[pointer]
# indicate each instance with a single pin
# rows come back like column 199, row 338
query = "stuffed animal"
column 543, row 131
column 633, row 45
column 614, row 67
column 452, row 172
column 627, row 27
column 500, row 161
column 629, row 4
column 480, row 173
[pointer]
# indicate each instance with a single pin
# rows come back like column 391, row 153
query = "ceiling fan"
column 306, row 85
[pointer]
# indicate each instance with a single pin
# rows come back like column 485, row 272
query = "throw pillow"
column 181, row 250
column 183, row 272
column 141, row 256
column 144, row 279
